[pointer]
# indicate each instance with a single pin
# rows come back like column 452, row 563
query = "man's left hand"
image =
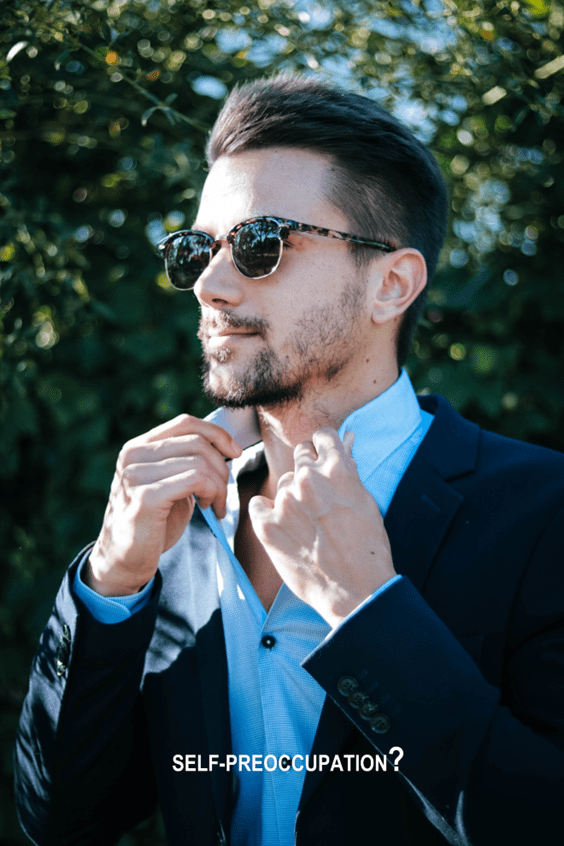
column 323, row 531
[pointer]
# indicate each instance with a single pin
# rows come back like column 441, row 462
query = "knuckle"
column 129, row 474
column 197, row 442
column 192, row 425
column 205, row 477
column 127, row 453
column 327, row 436
column 305, row 477
column 146, row 498
column 285, row 478
column 285, row 502
column 202, row 479
column 194, row 476
column 186, row 419
column 333, row 465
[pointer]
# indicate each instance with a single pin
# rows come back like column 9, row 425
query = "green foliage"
column 104, row 110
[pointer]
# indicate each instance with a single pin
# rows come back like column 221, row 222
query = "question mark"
column 399, row 756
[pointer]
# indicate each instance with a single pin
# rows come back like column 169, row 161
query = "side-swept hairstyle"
column 385, row 181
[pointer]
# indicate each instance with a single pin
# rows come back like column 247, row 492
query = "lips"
column 228, row 337
column 228, row 333
column 215, row 329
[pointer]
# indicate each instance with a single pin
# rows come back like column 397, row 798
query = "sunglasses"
column 256, row 248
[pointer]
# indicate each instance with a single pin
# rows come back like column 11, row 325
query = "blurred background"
column 104, row 111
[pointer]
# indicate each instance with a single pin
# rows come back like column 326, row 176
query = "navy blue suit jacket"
column 465, row 656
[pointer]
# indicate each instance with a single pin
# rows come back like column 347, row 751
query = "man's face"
column 273, row 340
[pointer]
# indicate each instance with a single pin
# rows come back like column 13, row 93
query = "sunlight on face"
column 267, row 342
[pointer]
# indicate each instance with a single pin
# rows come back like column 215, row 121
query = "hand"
column 152, row 498
column 323, row 531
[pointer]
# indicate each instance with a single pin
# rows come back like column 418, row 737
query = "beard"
column 320, row 347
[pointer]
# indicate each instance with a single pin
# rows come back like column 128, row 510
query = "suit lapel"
column 420, row 514
column 425, row 504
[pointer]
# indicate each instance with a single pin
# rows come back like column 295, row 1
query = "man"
column 292, row 671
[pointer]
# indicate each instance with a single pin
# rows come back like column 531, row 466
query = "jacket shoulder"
column 460, row 446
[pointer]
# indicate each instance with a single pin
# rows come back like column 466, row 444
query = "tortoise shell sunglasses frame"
column 256, row 248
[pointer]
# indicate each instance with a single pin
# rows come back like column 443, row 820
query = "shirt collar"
column 379, row 427
column 382, row 425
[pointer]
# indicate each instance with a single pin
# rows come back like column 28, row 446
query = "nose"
column 220, row 284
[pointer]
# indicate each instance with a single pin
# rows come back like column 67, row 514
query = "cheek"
column 288, row 319
column 308, row 295
column 285, row 310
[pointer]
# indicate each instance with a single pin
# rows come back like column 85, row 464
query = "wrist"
column 105, row 581
column 342, row 611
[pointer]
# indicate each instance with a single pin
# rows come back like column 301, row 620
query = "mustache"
column 222, row 321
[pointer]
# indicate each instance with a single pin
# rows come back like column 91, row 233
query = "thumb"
column 260, row 507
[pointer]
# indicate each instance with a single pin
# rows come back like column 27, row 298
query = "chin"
column 260, row 385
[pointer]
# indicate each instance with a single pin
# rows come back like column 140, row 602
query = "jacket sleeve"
column 82, row 762
column 485, row 765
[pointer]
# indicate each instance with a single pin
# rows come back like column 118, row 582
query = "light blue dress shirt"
column 274, row 703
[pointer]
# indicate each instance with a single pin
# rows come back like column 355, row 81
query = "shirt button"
column 268, row 641
column 346, row 685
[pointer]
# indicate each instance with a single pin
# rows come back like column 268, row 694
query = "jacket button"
column 357, row 698
column 380, row 724
column 268, row 641
column 347, row 685
column 368, row 709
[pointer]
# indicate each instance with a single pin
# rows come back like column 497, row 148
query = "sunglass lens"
column 186, row 258
column 257, row 248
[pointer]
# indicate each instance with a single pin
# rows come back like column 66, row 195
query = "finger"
column 325, row 440
column 188, row 447
column 211, row 495
column 207, row 486
column 285, row 480
column 305, row 453
column 260, row 509
column 156, row 471
column 348, row 442
column 305, row 461
column 186, row 424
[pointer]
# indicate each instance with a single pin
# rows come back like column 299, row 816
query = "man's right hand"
column 152, row 498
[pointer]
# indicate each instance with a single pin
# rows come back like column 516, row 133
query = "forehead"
column 279, row 181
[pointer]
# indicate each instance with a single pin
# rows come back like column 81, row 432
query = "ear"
column 399, row 278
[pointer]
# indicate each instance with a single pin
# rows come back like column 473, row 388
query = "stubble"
column 321, row 346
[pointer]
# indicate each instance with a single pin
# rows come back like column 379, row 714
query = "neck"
column 284, row 427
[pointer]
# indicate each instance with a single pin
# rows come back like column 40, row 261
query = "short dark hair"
column 386, row 182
